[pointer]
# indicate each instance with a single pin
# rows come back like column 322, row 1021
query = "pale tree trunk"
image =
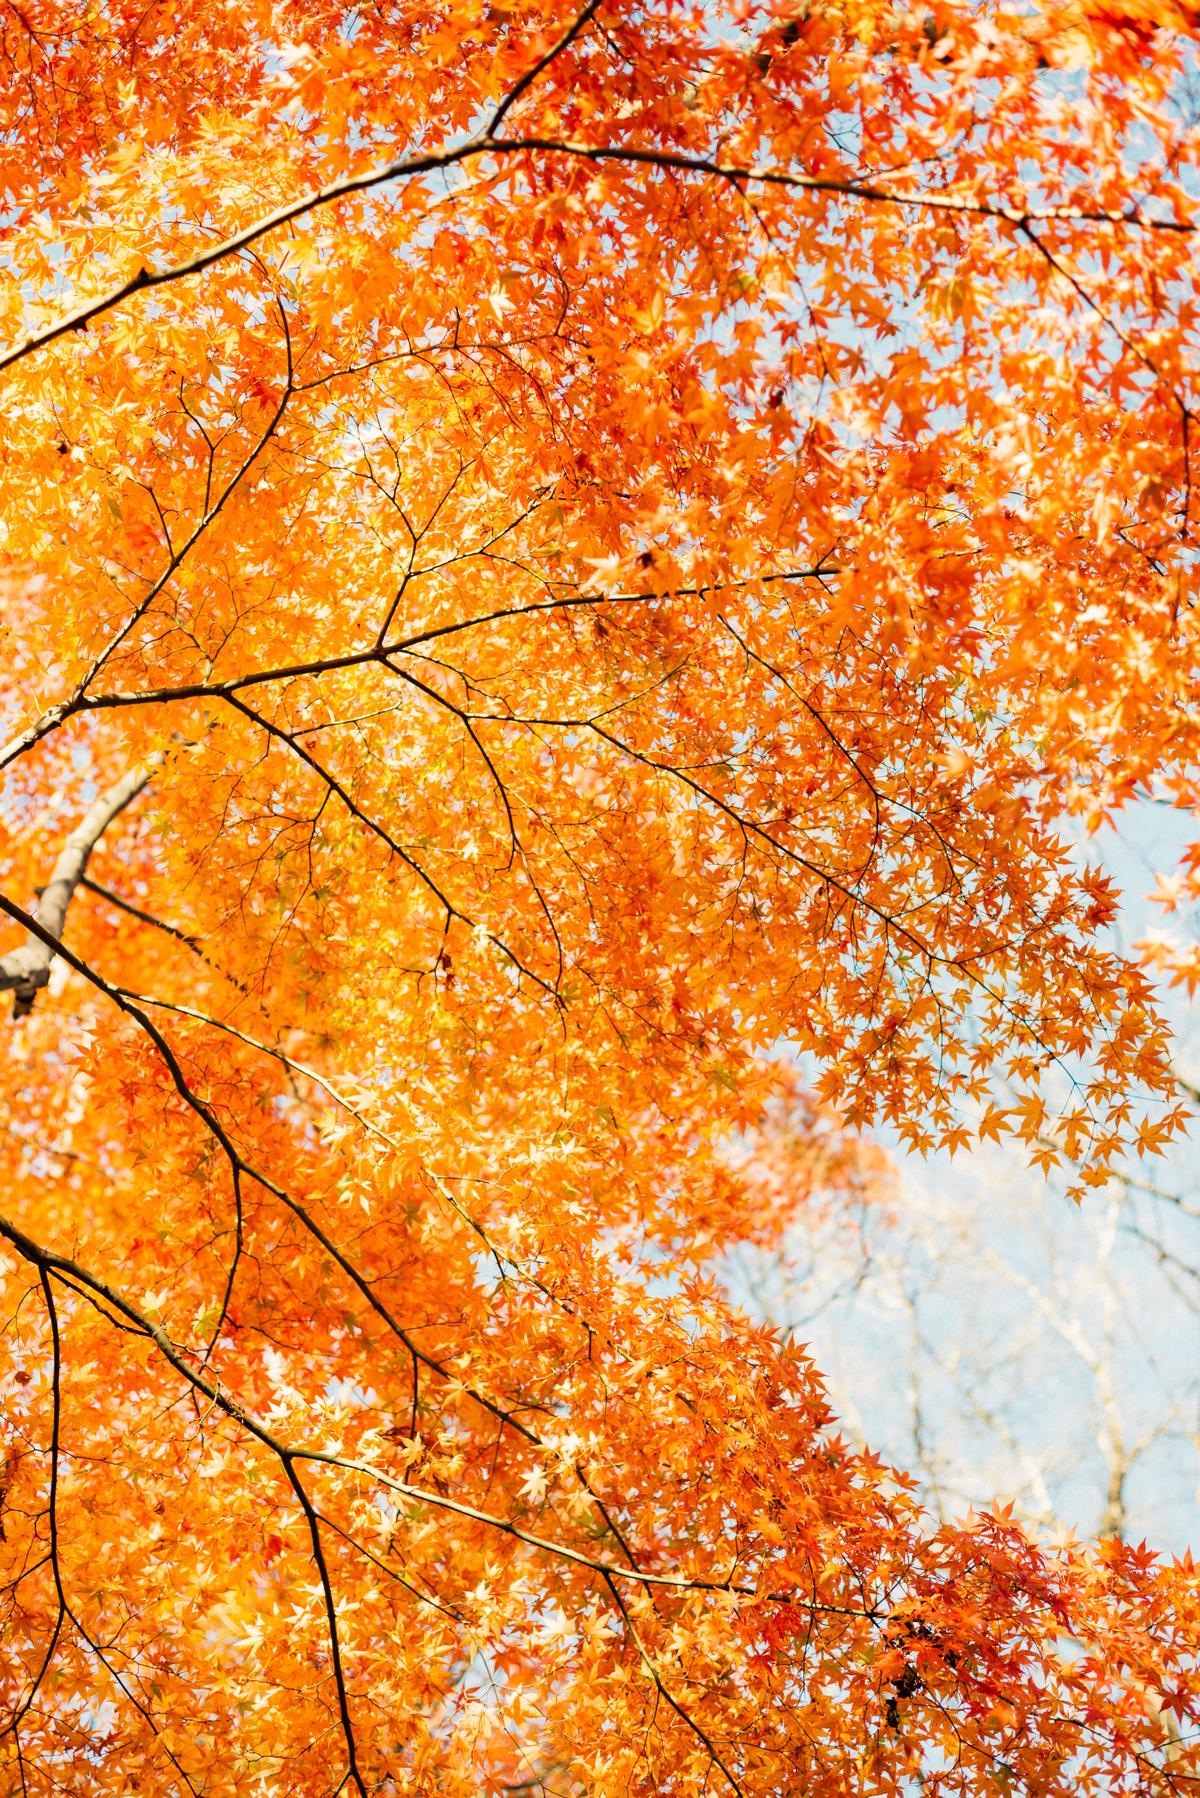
column 24, row 971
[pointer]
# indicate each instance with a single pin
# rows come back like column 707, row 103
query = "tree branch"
column 24, row 971
column 683, row 162
column 186, row 1363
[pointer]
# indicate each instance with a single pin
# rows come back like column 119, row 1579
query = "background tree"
column 545, row 556
column 1008, row 1349
column 1003, row 1346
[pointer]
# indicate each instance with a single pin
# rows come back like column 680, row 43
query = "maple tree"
column 546, row 556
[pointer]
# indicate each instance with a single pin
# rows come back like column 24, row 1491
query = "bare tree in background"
column 1004, row 1346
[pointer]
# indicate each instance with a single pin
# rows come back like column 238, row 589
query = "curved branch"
column 24, row 971
column 682, row 162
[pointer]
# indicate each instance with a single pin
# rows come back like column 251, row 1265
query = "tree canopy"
column 572, row 583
